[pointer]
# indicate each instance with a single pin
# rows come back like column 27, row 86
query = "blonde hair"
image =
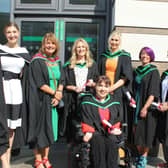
column 113, row 33
column 88, row 57
column 51, row 37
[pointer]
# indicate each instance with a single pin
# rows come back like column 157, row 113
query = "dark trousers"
column 104, row 152
column 165, row 152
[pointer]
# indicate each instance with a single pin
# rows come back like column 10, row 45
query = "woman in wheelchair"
column 99, row 113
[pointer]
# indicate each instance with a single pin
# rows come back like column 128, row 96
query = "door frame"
column 62, row 23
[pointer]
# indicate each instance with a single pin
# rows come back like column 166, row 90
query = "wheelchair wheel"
column 128, row 165
column 125, row 156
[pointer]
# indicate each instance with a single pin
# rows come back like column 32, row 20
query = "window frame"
column 99, row 6
column 52, row 5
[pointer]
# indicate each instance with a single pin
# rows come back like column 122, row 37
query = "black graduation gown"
column 146, row 83
column 124, row 67
column 89, row 111
column 71, row 98
column 123, row 70
column 162, row 129
column 40, row 133
column 104, row 149
column 4, row 134
column 20, row 138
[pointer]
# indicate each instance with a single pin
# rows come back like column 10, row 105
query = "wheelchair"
column 79, row 151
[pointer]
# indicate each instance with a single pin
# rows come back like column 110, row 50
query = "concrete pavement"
column 58, row 157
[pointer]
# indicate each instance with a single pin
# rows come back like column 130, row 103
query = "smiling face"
column 81, row 49
column 49, row 47
column 12, row 35
column 102, row 90
column 114, row 42
column 145, row 58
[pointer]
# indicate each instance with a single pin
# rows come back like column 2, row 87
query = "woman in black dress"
column 80, row 74
column 146, row 87
column 95, row 108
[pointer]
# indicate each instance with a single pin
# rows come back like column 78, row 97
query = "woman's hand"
column 54, row 102
column 58, row 95
column 116, row 131
column 87, row 137
column 164, row 106
column 90, row 83
column 78, row 89
column 143, row 112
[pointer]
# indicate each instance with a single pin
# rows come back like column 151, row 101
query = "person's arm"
column 144, row 110
column 45, row 88
column 57, row 95
column 73, row 88
column 118, row 84
column 87, row 136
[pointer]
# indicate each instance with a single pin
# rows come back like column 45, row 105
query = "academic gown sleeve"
column 154, row 84
column 87, row 119
column 126, row 71
column 4, row 134
column 39, row 106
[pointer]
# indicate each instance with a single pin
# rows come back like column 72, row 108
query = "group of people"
column 32, row 89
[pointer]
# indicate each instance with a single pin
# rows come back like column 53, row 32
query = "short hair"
column 9, row 25
column 88, row 57
column 114, row 32
column 104, row 79
column 149, row 51
column 50, row 36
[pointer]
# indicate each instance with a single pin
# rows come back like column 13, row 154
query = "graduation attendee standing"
column 13, row 60
column 146, row 90
column 45, row 93
column 116, row 64
column 163, row 117
column 80, row 74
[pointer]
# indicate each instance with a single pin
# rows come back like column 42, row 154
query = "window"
column 76, row 30
column 89, row 5
column 36, row 4
column 82, row 2
column 36, row 1
column 32, row 33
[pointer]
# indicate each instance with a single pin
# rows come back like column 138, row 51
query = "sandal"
column 45, row 163
column 38, row 163
column 162, row 165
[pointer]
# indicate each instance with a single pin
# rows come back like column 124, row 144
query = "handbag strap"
column 49, row 65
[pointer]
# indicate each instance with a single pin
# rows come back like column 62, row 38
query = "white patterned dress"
column 11, row 67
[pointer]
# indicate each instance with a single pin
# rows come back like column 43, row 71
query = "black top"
column 90, row 115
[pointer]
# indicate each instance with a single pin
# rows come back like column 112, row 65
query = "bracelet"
column 58, row 99
column 54, row 93
column 59, row 90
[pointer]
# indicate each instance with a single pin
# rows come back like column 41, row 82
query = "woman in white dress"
column 13, row 59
